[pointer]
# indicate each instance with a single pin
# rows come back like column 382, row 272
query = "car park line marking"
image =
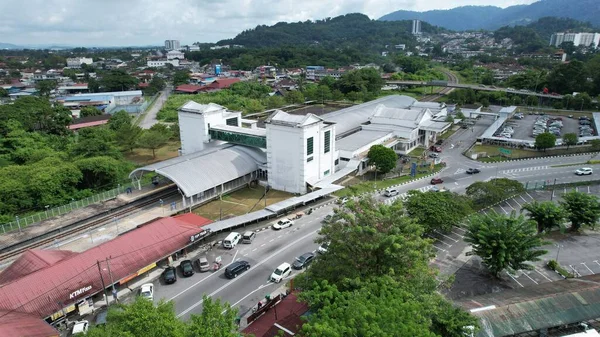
column 521, row 196
column 575, row 271
column 588, row 268
column 517, row 202
column 503, row 209
column 597, row 262
column 460, row 235
column 271, row 240
column 534, row 281
column 439, row 241
column 514, row 279
column 264, row 244
column 443, row 250
column 529, row 195
column 546, row 277
column 460, row 229
column 279, row 237
column 254, row 249
column 509, row 205
column 446, row 236
column 242, row 275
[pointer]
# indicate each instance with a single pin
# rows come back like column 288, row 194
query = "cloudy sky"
column 150, row 22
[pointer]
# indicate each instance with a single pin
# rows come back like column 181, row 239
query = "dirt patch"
column 240, row 202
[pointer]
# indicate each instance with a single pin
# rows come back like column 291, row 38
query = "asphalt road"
column 269, row 250
column 150, row 117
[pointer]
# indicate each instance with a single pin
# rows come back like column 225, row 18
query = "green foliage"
column 36, row 114
column 595, row 144
column 127, row 136
column 45, row 87
column 216, row 320
column 366, row 80
column 253, row 90
column 554, row 265
column 568, row 78
column 118, row 119
column 117, row 80
column 383, row 158
column 528, row 39
column 504, row 242
column 153, row 139
column 546, row 214
column 156, row 85
column 582, row 209
column 93, row 142
column 545, row 141
column 411, row 64
column 437, row 211
column 3, row 92
column 487, row 193
column 570, row 139
column 90, row 111
column 294, row 97
column 181, row 77
column 100, row 171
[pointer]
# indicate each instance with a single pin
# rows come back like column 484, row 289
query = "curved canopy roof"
column 201, row 171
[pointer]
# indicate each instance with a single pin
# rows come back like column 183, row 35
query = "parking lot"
column 579, row 253
column 524, row 128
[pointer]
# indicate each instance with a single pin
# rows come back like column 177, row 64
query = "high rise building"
column 578, row 39
column 416, row 27
column 172, row 45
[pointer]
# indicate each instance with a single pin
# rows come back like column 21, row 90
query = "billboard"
column 218, row 69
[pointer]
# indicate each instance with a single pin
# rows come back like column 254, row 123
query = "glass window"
column 327, row 141
column 309, row 159
column 309, row 146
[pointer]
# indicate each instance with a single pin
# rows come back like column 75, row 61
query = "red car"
column 435, row 148
column 436, row 181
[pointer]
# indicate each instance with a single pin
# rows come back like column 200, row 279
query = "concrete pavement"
column 150, row 116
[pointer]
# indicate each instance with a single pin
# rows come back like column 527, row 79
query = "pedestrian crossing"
column 525, row 169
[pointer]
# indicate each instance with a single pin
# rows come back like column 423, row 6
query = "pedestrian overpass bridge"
column 255, row 137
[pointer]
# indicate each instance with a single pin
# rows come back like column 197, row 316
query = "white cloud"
column 149, row 22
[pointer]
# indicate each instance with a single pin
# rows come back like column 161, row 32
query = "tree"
column 181, row 77
column 128, row 135
column 437, row 211
column 3, row 92
column 570, row 139
column 118, row 80
column 531, row 100
column 294, row 97
column 152, row 139
column 504, row 242
column 582, row 209
column 595, row 144
column 156, row 85
column 95, row 142
column 216, row 320
column 383, row 158
column 546, row 214
column 545, row 141
column 568, row 78
column 101, row 172
column 487, row 193
column 46, row 87
column 118, row 119
column 90, row 111
column 363, row 80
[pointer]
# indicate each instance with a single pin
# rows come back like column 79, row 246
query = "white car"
column 323, row 248
column 584, row 171
column 285, row 223
column 284, row 270
column 80, row 327
column 147, row 291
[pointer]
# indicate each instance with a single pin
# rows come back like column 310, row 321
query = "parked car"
column 435, row 148
column 342, row 200
column 437, row 189
column 281, row 224
column 203, row 264
column 390, row 192
column 281, row 272
column 473, row 171
column 435, row 181
column 236, row 268
column 187, row 269
column 80, row 327
column 248, row 237
column 147, row 291
column 584, row 171
column 327, row 218
column 434, row 155
column 303, row 260
column 170, row 275
column 323, row 248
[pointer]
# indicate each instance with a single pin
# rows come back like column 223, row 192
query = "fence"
column 21, row 222
column 134, row 108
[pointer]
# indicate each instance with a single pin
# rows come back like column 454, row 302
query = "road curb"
column 548, row 157
column 404, row 183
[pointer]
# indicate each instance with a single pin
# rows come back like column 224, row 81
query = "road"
column 269, row 250
column 150, row 116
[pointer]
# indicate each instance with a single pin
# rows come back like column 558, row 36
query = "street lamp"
column 558, row 252
column 47, row 210
column 161, row 205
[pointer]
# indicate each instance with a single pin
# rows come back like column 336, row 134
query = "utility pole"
column 102, row 280
column 114, row 291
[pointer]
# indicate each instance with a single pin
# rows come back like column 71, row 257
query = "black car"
column 236, row 268
column 170, row 275
column 473, row 171
column 303, row 260
column 187, row 268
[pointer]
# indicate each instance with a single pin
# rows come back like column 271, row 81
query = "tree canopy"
column 437, row 211
column 582, row 209
column 546, row 214
column 383, row 158
column 545, row 141
column 487, row 193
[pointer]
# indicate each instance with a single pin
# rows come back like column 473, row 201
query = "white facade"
column 172, row 44
column 578, row 39
column 175, row 54
column 195, row 120
column 162, row 63
column 76, row 62
column 416, row 27
column 300, row 150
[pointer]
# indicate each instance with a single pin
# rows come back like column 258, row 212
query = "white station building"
column 221, row 151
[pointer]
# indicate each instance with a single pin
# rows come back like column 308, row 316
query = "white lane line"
column 264, row 244
column 503, row 209
column 514, row 279
column 588, row 268
column 575, row 271
column 446, row 236
column 193, row 285
column 262, row 286
column 546, row 277
column 246, row 273
column 271, row 240
column 534, row 281
column 254, row 249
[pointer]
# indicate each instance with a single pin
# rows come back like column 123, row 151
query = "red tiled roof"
column 189, row 88
column 32, row 261
column 289, row 306
column 86, row 125
column 143, row 85
column 223, row 83
column 48, row 290
column 14, row 324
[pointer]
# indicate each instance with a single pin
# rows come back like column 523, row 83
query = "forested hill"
column 351, row 30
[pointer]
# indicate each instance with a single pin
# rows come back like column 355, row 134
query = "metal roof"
column 259, row 132
column 48, row 290
column 303, row 199
column 194, row 107
column 533, row 308
column 351, row 118
column 284, row 118
column 359, row 139
column 197, row 172
column 32, row 261
column 239, row 220
column 15, row 324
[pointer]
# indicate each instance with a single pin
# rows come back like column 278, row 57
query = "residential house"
column 188, row 89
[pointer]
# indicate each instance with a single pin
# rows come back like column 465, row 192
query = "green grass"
column 492, row 153
column 449, row 132
column 417, row 153
column 372, row 185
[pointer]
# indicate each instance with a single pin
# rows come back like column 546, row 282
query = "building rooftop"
column 194, row 107
column 359, row 139
column 284, row 118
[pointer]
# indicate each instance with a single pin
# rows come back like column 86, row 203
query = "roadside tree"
column 595, row 144
column 545, row 141
column 504, row 242
column 582, row 209
column 531, row 100
column 437, row 211
column 546, row 214
column 181, row 77
column 118, row 80
column 487, row 193
column 216, row 320
column 570, row 139
column 294, row 97
column 383, row 158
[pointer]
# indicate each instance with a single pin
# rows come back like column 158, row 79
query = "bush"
column 553, row 264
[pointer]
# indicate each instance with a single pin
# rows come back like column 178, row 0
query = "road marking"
column 193, row 285
column 271, row 240
column 515, row 200
column 446, row 236
column 254, row 249
column 529, row 195
column 101, row 229
column 279, row 237
column 241, row 276
column 503, row 209
column 262, row 286
column 509, row 205
column 575, row 271
column 597, row 262
column 514, row 279
column 547, row 278
column 264, row 244
column 588, row 268
column 534, row 281
column 443, row 250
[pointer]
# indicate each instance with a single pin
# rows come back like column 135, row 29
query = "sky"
column 150, row 22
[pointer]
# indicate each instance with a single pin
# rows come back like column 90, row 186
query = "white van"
column 232, row 240
column 391, row 192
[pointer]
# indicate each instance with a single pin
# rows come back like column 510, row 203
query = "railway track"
column 451, row 79
column 9, row 252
